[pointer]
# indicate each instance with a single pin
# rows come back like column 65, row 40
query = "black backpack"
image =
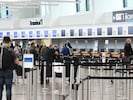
column 6, row 58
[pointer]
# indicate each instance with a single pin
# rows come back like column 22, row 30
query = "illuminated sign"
column 38, row 34
column 54, row 33
column 45, row 33
column 1, row 34
column 123, row 16
column 23, row 34
column 15, row 34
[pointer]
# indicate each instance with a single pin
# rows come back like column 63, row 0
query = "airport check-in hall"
column 66, row 49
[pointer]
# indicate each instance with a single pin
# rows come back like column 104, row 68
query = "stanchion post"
column 82, row 90
column 23, row 75
column 115, row 90
column 101, row 83
column 89, row 83
column 79, row 79
column 71, row 80
column 34, row 84
column 29, row 84
column 63, row 80
column 128, row 86
column 53, row 83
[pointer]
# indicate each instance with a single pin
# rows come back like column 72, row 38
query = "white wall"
column 103, row 6
column 78, row 19
column 6, row 24
column 130, row 4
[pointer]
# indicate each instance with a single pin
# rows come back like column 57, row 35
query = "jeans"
column 6, row 78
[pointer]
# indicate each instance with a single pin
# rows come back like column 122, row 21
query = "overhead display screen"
column 71, row 32
column 8, row 34
column 54, row 33
column 80, row 32
column 89, row 31
column 38, row 34
column 120, row 30
column 99, row 31
column 23, row 34
column 30, row 34
column 1, row 34
column 15, row 34
column 130, row 30
column 109, row 30
column 63, row 33
column 45, row 33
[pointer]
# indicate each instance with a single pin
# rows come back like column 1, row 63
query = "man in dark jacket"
column 127, row 48
column 8, row 59
column 33, row 51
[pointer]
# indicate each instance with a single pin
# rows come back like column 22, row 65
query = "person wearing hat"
column 7, row 61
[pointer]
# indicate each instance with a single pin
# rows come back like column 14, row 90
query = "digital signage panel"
column 130, row 30
column 54, row 33
column 120, row 30
column 1, row 34
column 63, row 32
column 30, row 34
column 71, row 32
column 99, row 31
column 80, row 32
column 15, row 34
column 38, row 34
column 45, row 33
column 8, row 34
column 109, row 31
column 90, row 32
column 23, row 34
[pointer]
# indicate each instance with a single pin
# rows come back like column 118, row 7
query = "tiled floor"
column 99, row 89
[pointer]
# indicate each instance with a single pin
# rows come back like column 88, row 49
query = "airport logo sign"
column 122, row 16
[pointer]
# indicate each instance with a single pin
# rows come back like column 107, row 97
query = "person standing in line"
column 33, row 51
column 7, row 60
column 128, row 48
column 65, row 50
column 128, row 52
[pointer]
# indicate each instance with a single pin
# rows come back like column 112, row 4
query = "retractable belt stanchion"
column 125, row 87
column 29, row 85
column 63, row 80
column 79, row 79
column 35, row 83
column 28, row 63
column 44, row 74
column 101, row 83
column 23, row 75
column 89, row 87
column 53, row 83
column 128, row 86
column 71, row 81
column 82, row 90
column 115, row 90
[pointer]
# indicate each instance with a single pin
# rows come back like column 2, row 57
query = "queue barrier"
column 75, row 87
column 102, row 67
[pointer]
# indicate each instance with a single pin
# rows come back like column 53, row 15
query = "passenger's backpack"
column 6, row 58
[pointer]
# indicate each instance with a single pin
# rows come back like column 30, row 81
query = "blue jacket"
column 65, row 51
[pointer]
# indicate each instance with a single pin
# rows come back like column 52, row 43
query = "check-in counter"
column 85, row 54
column 76, row 53
column 115, row 55
column 95, row 54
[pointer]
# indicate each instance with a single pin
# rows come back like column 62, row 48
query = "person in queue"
column 128, row 52
column 128, row 48
column 8, row 60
